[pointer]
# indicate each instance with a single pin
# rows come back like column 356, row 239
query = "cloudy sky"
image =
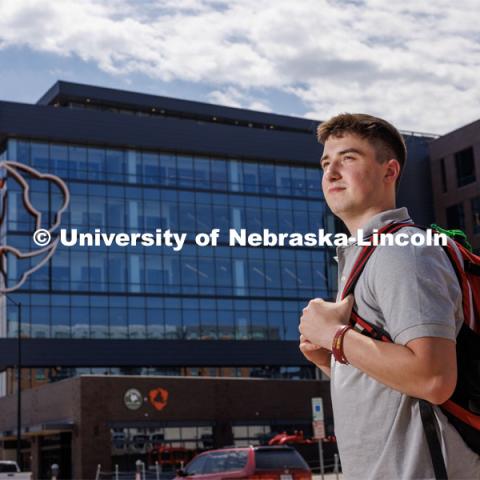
column 415, row 63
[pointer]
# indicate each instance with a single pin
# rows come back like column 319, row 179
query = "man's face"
column 352, row 177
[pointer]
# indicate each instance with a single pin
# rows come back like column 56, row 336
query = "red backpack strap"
column 462, row 270
column 365, row 254
column 359, row 323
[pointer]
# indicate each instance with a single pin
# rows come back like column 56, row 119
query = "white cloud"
column 233, row 97
column 413, row 62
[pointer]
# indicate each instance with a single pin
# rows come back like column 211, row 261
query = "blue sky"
column 414, row 63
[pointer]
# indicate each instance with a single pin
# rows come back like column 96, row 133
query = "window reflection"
column 234, row 292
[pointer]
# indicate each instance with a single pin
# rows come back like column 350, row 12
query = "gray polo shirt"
column 412, row 292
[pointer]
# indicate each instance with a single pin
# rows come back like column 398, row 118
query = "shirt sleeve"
column 417, row 291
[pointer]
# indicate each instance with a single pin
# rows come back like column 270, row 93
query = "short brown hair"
column 383, row 136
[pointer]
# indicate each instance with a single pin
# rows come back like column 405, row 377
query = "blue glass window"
column 267, row 178
column 96, row 164
column 319, row 273
column 23, row 152
column 275, row 321
column 99, row 318
column 259, row 321
column 273, row 277
column 40, row 321
column 98, row 270
column 301, row 219
column 118, row 322
column 137, row 327
column 283, row 180
column 298, row 181
column 116, row 214
column 169, row 210
column 80, row 316
column 115, row 165
column 304, row 271
column 151, row 168
column 61, row 269
column 77, row 162
column 218, row 172
column 40, row 157
column 290, row 279
column 204, row 217
column 250, row 177
column 191, row 319
column 190, row 272
column 186, row 213
column 202, row 172
column 173, row 318
column 59, row 160
column 79, row 272
column 314, row 182
column 116, row 271
column 223, row 271
column 206, row 270
column 256, row 270
column 208, row 319
column 60, row 321
column 168, row 169
column 171, row 271
column 225, row 323
column 97, row 216
column 155, row 322
column 185, row 171
column 291, row 315
column 242, row 320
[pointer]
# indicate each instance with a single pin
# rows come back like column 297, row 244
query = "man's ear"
column 392, row 170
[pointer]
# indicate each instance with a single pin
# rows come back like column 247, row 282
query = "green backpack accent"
column 457, row 234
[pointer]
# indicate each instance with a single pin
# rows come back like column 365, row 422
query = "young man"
column 412, row 292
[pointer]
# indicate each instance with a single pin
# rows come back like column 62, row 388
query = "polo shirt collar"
column 399, row 215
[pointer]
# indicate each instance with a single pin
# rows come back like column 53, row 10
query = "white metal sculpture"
column 15, row 170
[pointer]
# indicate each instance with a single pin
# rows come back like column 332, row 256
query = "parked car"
column 248, row 463
column 10, row 470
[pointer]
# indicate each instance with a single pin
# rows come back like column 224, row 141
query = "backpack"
column 463, row 407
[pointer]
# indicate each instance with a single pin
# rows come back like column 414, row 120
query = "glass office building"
column 136, row 163
column 135, row 292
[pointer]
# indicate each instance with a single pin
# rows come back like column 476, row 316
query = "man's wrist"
column 327, row 363
column 332, row 334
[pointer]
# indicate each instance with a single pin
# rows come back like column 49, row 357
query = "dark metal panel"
column 67, row 91
column 150, row 353
column 415, row 191
column 156, row 133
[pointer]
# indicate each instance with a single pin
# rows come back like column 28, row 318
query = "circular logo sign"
column 133, row 399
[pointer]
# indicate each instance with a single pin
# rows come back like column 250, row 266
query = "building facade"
column 142, row 163
column 86, row 421
column 178, row 174
column 455, row 165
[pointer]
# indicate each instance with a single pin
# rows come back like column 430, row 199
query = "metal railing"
column 334, row 468
column 139, row 473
